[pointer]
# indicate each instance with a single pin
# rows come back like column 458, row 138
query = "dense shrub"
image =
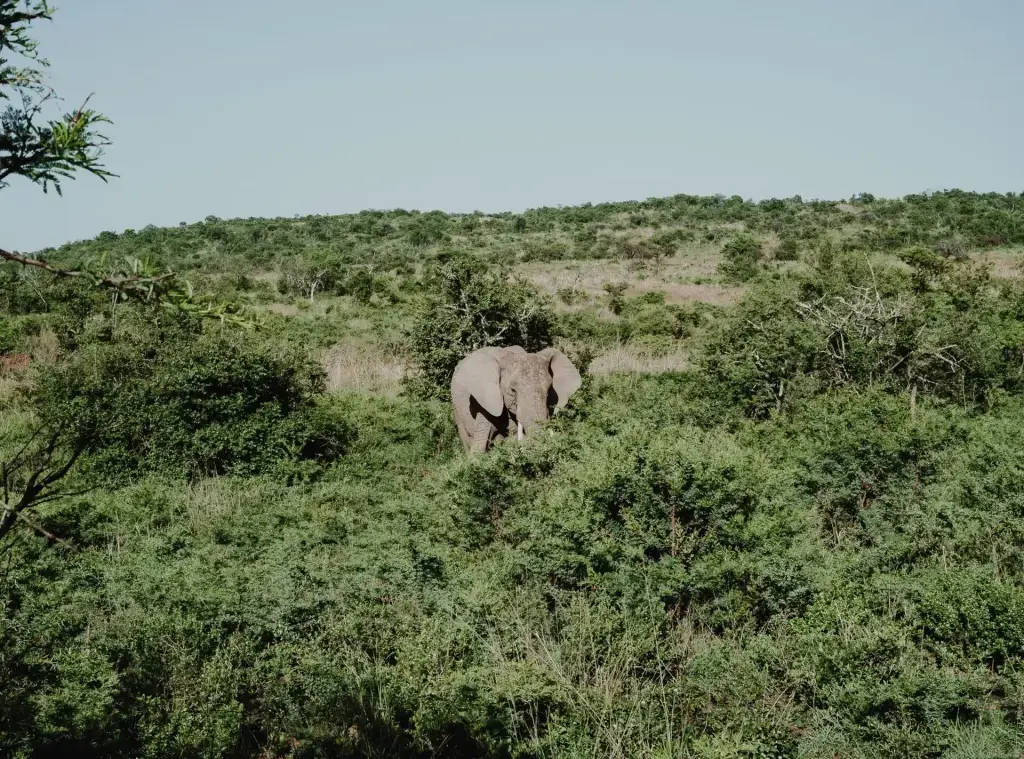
column 788, row 250
column 190, row 406
column 540, row 249
column 9, row 336
column 941, row 330
column 811, row 546
column 469, row 306
column 741, row 257
column 648, row 314
column 633, row 583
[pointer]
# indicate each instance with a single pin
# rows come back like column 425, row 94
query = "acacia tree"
column 43, row 151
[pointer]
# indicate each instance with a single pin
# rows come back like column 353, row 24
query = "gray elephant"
column 498, row 392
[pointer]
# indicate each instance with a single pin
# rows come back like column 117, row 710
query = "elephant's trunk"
column 529, row 417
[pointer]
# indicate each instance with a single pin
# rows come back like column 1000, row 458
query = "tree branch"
column 41, row 477
column 165, row 288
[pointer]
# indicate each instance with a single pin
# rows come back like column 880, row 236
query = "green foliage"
column 571, row 295
column 469, row 306
column 360, row 285
column 788, row 250
column 634, row 581
column 616, row 292
column 741, row 257
column 42, row 152
column 758, row 353
column 190, row 405
column 810, row 545
column 941, row 331
column 8, row 336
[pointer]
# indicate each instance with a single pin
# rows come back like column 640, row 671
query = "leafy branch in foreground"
column 42, row 151
column 140, row 284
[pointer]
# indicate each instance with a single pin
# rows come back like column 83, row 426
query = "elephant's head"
column 529, row 385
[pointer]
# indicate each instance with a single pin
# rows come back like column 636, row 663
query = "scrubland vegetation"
column 783, row 518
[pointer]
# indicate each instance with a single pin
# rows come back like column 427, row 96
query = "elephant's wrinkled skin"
column 504, row 391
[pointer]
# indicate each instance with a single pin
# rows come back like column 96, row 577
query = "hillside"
column 784, row 517
column 669, row 245
column 387, row 239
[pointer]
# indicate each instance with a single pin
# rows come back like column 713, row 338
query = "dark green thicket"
column 741, row 256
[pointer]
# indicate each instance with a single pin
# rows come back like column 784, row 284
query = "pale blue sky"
column 271, row 108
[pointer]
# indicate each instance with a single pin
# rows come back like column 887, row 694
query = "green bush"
column 741, row 258
column 544, row 250
column 788, row 250
column 188, row 406
column 616, row 295
column 649, row 315
column 571, row 295
column 943, row 331
column 469, row 306
column 585, row 326
column 360, row 285
column 10, row 335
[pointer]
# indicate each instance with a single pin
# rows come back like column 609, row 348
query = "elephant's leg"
column 464, row 433
column 482, row 433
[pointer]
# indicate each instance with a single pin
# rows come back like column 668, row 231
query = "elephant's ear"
column 565, row 379
column 481, row 375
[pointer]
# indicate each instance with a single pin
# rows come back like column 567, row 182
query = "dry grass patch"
column 359, row 324
column 364, row 367
column 284, row 309
column 271, row 277
column 632, row 359
column 44, row 347
column 675, row 277
column 689, row 293
column 1005, row 262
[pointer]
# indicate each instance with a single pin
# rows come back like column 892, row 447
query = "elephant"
column 498, row 390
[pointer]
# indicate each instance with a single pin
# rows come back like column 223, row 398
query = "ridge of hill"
column 953, row 218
